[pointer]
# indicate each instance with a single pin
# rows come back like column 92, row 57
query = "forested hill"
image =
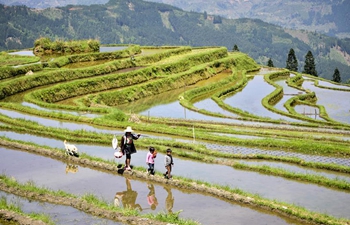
column 148, row 23
column 322, row 16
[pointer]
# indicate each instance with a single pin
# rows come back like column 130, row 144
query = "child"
column 169, row 163
column 150, row 160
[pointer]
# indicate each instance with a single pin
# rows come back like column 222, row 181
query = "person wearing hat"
column 127, row 145
column 169, row 163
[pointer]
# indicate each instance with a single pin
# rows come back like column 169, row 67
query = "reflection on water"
column 151, row 197
column 23, row 52
column 288, row 91
column 29, row 167
column 299, row 169
column 102, row 49
column 127, row 198
column 112, row 48
column 249, row 99
column 70, row 168
column 60, row 214
column 54, row 123
column 306, row 110
column 79, row 113
column 336, row 103
column 145, row 105
column 331, row 85
column 169, row 201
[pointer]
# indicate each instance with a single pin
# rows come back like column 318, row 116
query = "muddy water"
column 78, row 180
column 58, row 213
column 309, row 196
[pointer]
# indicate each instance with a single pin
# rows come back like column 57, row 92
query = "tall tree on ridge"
column 270, row 63
column 310, row 67
column 336, row 76
column 235, row 48
column 292, row 62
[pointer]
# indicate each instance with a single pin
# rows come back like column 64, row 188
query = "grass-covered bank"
column 13, row 212
column 137, row 73
column 87, row 203
column 223, row 192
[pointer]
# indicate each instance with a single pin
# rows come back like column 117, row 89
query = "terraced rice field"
column 244, row 152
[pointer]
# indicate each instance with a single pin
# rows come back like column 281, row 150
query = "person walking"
column 169, row 163
column 127, row 145
column 151, row 155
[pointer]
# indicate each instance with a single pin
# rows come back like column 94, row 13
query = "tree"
column 235, row 48
column 310, row 67
column 292, row 62
column 217, row 20
column 270, row 63
column 336, row 76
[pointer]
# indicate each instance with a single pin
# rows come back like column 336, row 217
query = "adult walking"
column 127, row 145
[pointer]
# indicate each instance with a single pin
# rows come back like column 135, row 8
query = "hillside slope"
column 148, row 23
column 328, row 17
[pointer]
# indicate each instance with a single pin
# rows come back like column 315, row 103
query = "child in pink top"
column 150, row 160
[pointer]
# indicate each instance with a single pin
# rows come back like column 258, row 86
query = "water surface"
column 79, row 180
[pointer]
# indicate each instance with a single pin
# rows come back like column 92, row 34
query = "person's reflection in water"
column 151, row 197
column 169, row 201
column 127, row 198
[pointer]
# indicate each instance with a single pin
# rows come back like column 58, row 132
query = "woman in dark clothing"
column 127, row 145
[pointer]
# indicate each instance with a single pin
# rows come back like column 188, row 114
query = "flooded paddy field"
column 79, row 181
column 58, row 213
column 333, row 100
column 279, row 188
column 148, row 195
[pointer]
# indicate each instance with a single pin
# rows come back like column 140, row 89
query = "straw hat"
column 128, row 129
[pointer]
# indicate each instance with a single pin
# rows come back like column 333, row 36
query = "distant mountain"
column 323, row 16
column 42, row 4
column 148, row 23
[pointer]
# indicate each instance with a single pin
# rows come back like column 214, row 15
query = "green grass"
column 13, row 60
column 12, row 207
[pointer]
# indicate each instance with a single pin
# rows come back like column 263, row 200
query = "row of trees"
column 292, row 64
column 309, row 66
